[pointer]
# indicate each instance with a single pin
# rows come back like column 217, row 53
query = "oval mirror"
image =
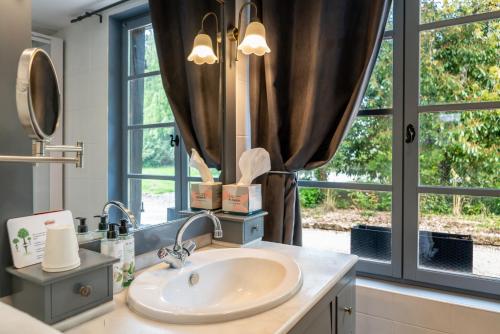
column 37, row 94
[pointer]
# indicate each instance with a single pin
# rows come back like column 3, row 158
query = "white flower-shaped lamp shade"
column 255, row 40
column 203, row 52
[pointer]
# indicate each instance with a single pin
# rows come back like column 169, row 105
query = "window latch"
column 174, row 140
column 410, row 133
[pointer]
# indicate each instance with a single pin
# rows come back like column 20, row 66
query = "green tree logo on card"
column 15, row 241
column 25, row 235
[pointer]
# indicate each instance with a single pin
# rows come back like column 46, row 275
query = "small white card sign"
column 27, row 235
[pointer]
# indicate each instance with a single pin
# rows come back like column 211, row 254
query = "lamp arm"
column 218, row 34
column 237, row 32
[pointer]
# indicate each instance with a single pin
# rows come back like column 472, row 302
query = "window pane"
column 437, row 10
column 142, row 52
column 347, row 221
column 460, row 63
column 192, row 172
column 378, row 94
column 460, row 148
column 148, row 103
column 460, row 234
column 365, row 155
column 150, row 151
column 151, row 200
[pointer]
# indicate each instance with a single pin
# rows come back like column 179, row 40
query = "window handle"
column 174, row 140
column 410, row 133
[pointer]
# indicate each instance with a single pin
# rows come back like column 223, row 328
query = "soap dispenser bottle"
column 83, row 233
column 102, row 228
column 127, row 238
column 112, row 246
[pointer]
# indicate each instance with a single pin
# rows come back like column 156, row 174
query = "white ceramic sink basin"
column 216, row 285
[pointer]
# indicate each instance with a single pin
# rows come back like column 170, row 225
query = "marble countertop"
column 15, row 321
column 321, row 271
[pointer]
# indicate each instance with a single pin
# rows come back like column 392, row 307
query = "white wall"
column 243, row 134
column 391, row 309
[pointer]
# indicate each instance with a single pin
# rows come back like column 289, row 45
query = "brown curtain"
column 305, row 94
column 192, row 90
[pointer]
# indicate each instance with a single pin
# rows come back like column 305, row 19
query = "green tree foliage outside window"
column 459, row 64
column 157, row 151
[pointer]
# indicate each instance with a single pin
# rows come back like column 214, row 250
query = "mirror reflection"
column 44, row 95
column 136, row 153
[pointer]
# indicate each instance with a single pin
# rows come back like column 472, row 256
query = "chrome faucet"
column 123, row 208
column 177, row 254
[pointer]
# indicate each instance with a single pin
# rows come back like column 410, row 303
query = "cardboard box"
column 241, row 199
column 206, row 196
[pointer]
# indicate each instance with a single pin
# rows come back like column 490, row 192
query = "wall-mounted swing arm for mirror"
column 38, row 107
column 40, row 150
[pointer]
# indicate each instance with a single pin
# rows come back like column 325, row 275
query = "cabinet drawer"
column 346, row 309
column 253, row 229
column 78, row 293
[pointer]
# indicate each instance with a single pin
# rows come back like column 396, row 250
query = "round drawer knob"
column 348, row 309
column 85, row 290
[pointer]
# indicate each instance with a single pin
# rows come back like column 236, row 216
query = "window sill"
column 430, row 294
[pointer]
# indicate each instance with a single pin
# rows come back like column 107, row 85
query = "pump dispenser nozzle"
column 123, row 229
column 111, row 234
column 82, row 227
column 103, row 222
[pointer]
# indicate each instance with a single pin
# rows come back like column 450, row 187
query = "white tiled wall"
column 380, row 311
column 86, row 45
column 86, row 114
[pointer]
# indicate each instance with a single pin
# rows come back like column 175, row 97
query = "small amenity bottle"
column 102, row 228
column 112, row 246
column 83, row 233
column 127, row 238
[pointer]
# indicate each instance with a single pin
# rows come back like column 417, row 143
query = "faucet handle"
column 162, row 252
column 189, row 246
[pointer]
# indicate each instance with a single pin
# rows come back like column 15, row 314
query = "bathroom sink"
column 216, row 285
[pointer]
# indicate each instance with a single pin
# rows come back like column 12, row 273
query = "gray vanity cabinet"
column 346, row 300
column 335, row 313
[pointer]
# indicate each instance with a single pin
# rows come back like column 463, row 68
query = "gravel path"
column 155, row 208
column 486, row 258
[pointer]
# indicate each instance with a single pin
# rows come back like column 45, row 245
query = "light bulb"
column 255, row 40
column 203, row 52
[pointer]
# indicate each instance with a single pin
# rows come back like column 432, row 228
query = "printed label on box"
column 206, row 196
column 242, row 199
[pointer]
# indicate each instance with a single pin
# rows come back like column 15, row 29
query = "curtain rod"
column 96, row 12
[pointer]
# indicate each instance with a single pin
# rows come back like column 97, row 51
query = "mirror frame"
column 24, row 96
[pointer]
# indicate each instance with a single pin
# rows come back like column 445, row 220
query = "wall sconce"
column 254, row 41
column 203, row 52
